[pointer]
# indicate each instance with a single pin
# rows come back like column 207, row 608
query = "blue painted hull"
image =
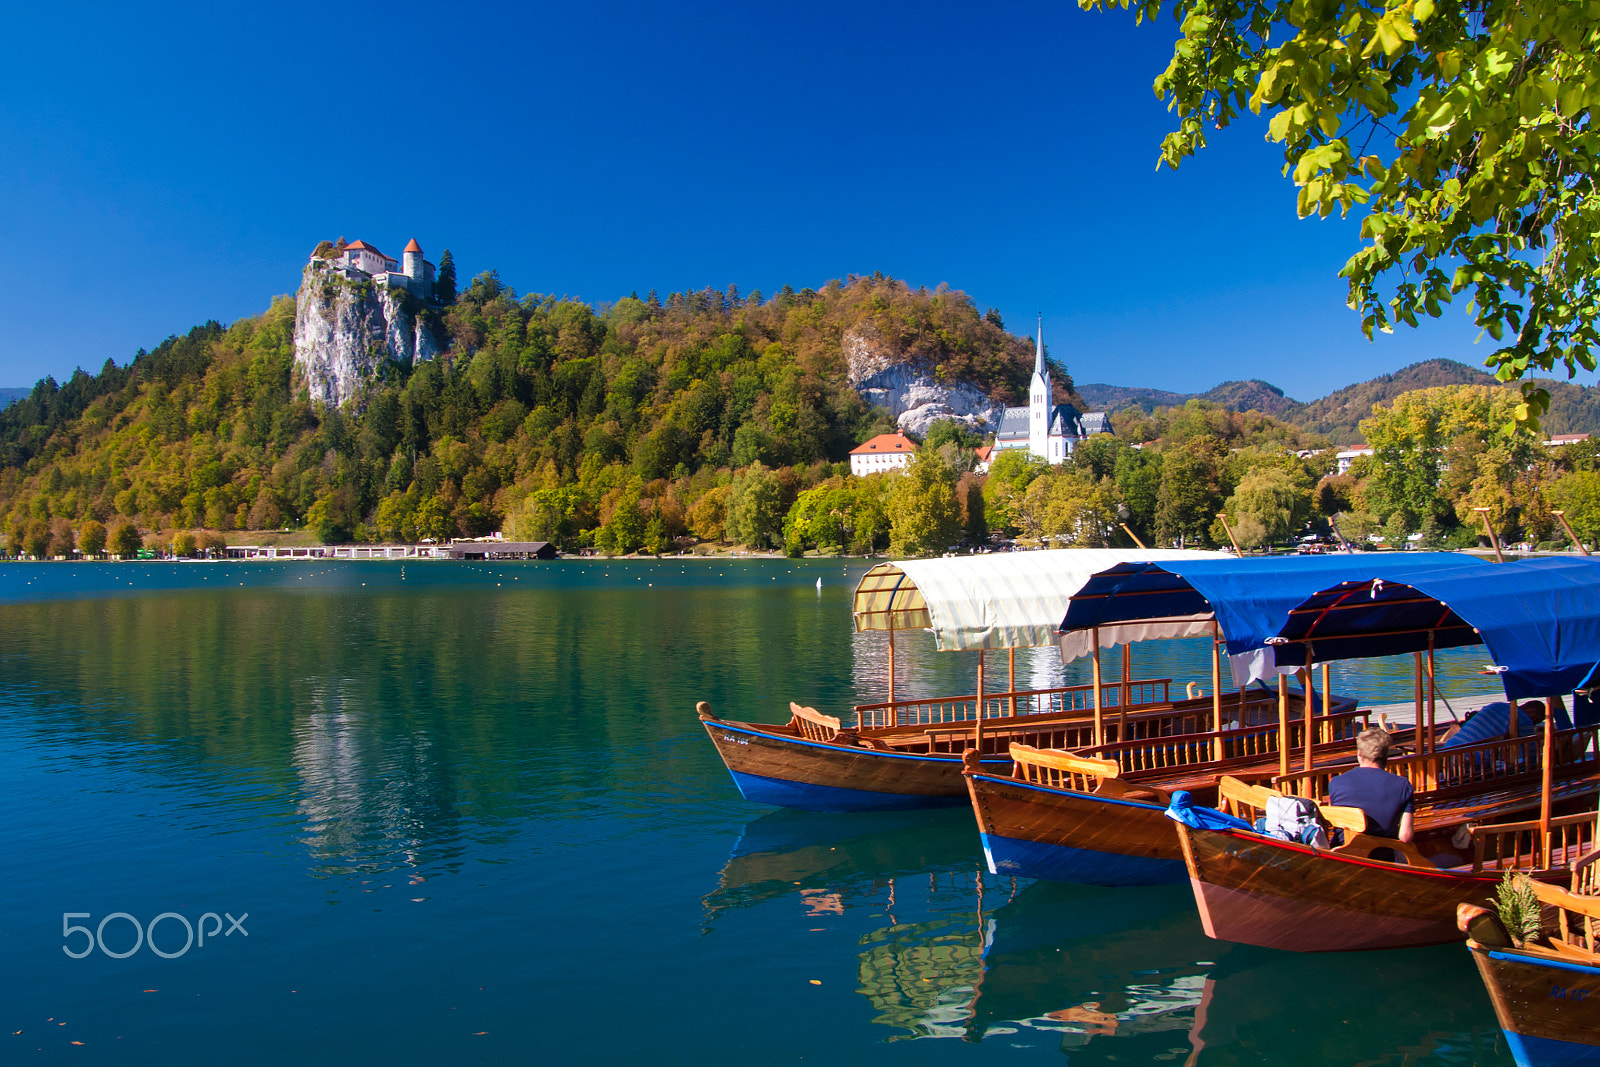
column 808, row 797
column 1082, row 866
column 1531, row 1051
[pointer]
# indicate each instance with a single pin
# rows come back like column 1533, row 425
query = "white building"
column 885, row 452
column 360, row 261
column 1346, row 458
column 1047, row 429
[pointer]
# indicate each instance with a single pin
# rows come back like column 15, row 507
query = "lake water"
column 464, row 813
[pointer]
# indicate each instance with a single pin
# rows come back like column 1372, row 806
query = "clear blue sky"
column 161, row 167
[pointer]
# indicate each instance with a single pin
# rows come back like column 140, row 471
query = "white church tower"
column 1040, row 403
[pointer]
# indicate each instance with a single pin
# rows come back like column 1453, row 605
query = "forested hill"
column 644, row 400
column 1573, row 408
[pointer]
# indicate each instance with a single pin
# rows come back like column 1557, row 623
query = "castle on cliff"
column 1047, row 429
column 359, row 261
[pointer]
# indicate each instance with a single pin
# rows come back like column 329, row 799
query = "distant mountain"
column 11, row 396
column 1101, row 397
column 1573, row 408
column 1338, row 413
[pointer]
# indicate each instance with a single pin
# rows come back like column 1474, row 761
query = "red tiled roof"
column 886, row 443
column 359, row 246
column 413, row 246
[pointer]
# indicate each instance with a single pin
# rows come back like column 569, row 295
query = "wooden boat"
column 1083, row 818
column 907, row 753
column 1102, row 820
column 1262, row 891
column 1541, row 620
column 814, row 762
column 1546, row 995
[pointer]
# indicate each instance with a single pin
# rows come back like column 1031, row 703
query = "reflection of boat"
column 1103, row 823
column 1546, row 996
column 1540, row 619
column 786, row 852
column 907, row 753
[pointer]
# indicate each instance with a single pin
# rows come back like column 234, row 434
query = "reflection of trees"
column 921, row 977
column 390, row 717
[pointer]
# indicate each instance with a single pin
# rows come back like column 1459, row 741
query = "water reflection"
column 948, row 951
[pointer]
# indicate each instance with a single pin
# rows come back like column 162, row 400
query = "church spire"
column 1038, row 356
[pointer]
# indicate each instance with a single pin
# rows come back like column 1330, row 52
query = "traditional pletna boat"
column 1546, row 992
column 1098, row 815
column 907, row 753
column 1540, row 620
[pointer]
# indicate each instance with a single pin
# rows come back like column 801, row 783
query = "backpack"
column 1294, row 819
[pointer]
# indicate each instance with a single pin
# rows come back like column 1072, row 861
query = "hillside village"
column 379, row 406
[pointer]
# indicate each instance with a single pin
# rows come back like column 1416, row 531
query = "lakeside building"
column 885, row 452
column 360, row 261
column 1047, row 429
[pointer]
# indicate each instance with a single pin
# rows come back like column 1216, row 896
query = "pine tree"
column 444, row 282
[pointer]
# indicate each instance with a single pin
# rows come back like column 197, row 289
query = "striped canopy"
column 1003, row 600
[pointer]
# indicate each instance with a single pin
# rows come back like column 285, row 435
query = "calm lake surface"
column 464, row 813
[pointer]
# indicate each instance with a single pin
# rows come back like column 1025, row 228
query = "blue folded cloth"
column 1183, row 809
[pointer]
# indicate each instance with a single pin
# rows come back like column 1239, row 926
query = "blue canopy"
column 1540, row 619
column 1250, row 598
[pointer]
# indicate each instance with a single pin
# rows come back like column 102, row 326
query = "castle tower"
column 1039, row 402
column 413, row 261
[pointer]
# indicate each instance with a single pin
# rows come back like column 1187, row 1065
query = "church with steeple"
column 1047, row 429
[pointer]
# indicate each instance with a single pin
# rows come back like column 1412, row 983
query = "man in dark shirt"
column 1385, row 797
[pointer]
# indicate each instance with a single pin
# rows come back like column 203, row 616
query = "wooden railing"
column 811, row 724
column 1165, row 753
column 1065, row 700
column 1576, row 915
column 1519, row 845
column 1469, row 768
column 1249, row 802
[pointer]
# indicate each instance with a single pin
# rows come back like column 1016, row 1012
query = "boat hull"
column 1032, row 831
column 1548, row 1009
column 793, row 772
column 1276, row 894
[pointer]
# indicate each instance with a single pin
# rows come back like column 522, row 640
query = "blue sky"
column 163, row 168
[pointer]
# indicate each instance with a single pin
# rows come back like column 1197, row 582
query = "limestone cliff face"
column 345, row 330
column 911, row 393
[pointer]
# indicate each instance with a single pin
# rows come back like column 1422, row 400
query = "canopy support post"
column 1216, row 690
column 1544, row 779
column 1308, row 711
column 1283, row 724
column 891, row 669
column 1433, row 701
column 977, row 735
column 1127, row 680
column 1417, row 715
column 1327, row 701
column 1099, row 711
column 1012, row 683
column 1494, row 539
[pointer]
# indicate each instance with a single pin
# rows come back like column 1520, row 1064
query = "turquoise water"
column 464, row 813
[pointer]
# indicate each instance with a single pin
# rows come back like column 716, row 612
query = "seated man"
column 1385, row 797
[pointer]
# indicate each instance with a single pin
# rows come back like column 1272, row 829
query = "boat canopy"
column 1249, row 599
column 1539, row 618
column 1001, row 600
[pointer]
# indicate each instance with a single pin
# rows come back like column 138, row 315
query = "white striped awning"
column 1003, row 600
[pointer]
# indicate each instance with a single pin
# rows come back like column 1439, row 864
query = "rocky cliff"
column 910, row 391
column 345, row 330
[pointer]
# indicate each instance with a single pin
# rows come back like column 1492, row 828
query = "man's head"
column 1372, row 745
column 1533, row 709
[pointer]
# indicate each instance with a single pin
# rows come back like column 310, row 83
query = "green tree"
column 755, row 507
column 444, row 280
column 1186, row 504
column 125, row 540
column 92, row 538
column 924, row 515
column 1268, row 505
column 184, row 544
column 1578, row 494
column 1465, row 129
column 37, row 538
